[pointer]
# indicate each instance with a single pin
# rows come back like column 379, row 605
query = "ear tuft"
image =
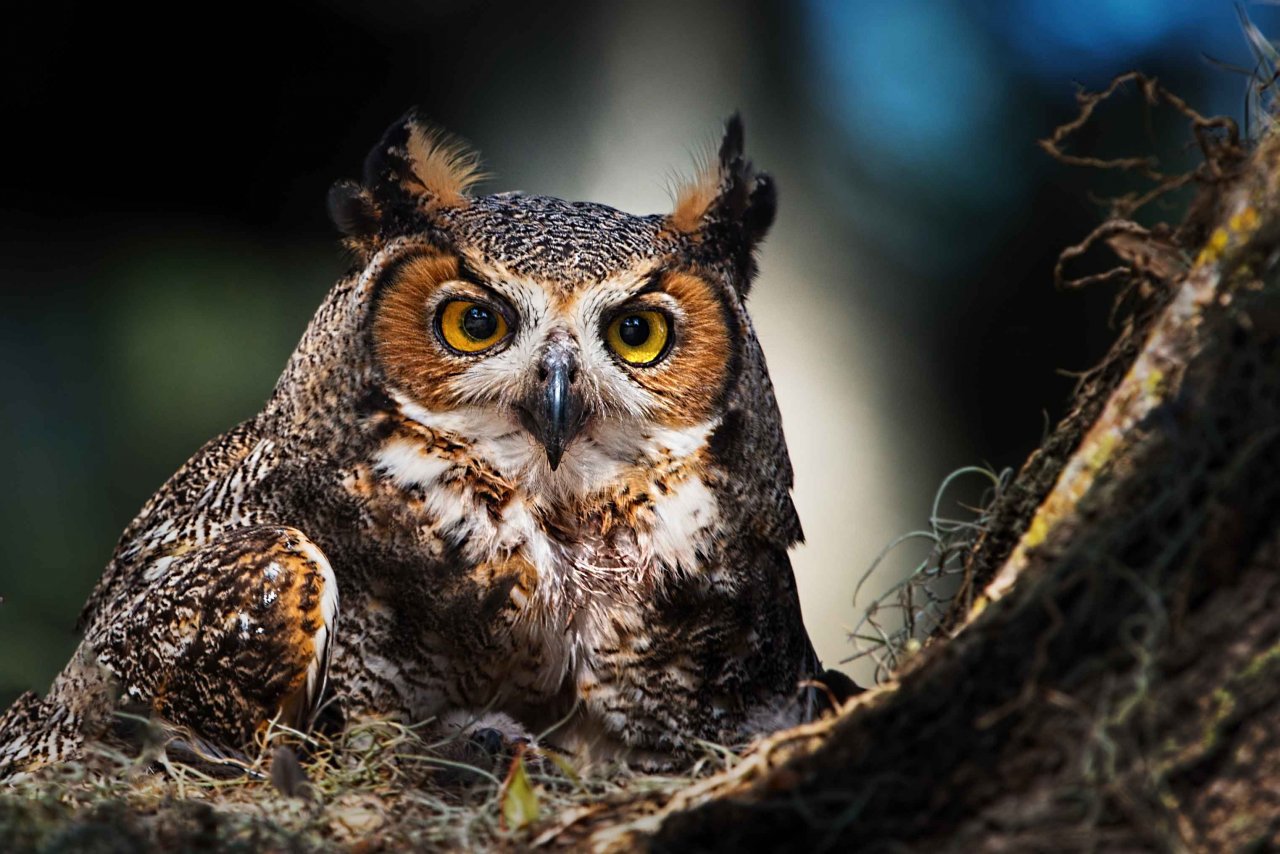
column 413, row 169
column 694, row 195
column 424, row 163
column 445, row 166
column 727, row 199
column 733, row 143
column 762, row 207
column 353, row 210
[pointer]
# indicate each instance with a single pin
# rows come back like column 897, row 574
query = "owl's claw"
column 490, row 740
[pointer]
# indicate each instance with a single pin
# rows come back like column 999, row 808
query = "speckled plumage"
column 389, row 522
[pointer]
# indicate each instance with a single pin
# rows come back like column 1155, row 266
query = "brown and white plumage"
column 551, row 522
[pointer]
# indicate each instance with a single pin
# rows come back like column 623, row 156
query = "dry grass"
column 898, row 622
column 378, row 785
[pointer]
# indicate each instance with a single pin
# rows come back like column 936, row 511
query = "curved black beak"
column 552, row 412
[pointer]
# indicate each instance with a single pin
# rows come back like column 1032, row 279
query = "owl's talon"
column 491, row 741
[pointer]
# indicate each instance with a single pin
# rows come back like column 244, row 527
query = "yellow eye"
column 470, row 327
column 639, row 337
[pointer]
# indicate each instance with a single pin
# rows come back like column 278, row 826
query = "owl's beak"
column 553, row 411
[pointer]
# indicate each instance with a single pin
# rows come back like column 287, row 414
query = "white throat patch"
column 681, row 515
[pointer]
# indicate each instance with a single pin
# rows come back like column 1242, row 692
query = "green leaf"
column 519, row 797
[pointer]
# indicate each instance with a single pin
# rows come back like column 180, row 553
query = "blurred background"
column 163, row 237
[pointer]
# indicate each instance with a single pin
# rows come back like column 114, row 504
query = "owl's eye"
column 639, row 337
column 470, row 327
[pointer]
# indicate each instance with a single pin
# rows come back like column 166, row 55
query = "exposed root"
column 1218, row 138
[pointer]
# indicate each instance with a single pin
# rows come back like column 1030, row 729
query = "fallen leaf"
column 519, row 795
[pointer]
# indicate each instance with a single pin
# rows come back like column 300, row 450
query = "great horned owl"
column 531, row 447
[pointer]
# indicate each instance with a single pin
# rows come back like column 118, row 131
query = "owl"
column 526, row 460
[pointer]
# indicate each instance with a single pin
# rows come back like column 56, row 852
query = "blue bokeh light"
column 930, row 96
column 909, row 80
column 1051, row 32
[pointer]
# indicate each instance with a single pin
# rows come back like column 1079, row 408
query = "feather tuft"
column 445, row 167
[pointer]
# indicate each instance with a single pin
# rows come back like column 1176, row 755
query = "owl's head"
column 567, row 339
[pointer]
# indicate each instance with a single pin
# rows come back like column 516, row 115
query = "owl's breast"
column 570, row 577
column 655, row 511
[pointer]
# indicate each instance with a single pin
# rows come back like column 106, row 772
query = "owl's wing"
column 220, row 640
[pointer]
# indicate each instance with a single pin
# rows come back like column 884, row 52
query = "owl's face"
column 567, row 341
column 550, row 373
